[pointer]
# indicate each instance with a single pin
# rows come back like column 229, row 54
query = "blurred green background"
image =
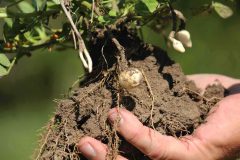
column 27, row 94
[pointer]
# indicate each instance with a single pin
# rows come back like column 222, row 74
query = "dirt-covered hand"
column 215, row 139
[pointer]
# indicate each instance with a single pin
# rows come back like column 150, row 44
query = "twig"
column 152, row 96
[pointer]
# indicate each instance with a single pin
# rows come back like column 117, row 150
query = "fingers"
column 93, row 149
column 225, row 120
column 203, row 80
column 150, row 142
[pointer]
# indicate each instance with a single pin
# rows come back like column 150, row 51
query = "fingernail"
column 87, row 150
column 114, row 115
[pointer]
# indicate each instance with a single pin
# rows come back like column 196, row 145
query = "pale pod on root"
column 184, row 37
column 130, row 78
column 177, row 45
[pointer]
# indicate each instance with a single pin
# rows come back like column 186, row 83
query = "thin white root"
column 89, row 60
column 82, row 47
column 152, row 96
column 43, row 145
column 85, row 64
column 74, row 39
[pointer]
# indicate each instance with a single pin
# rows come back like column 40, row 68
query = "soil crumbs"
column 165, row 101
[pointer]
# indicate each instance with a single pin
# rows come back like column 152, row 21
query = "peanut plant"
column 29, row 25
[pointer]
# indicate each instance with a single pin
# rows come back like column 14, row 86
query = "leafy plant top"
column 33, row 24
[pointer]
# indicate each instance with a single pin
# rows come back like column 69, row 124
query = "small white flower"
column 130, row 78
column 184, row 37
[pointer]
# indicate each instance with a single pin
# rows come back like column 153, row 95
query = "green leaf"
column 87, row 5
column 101, row 19
column 3, row 71
column 105, row 20
column 6, row 70
column 28, row 35
column 9, row 22
column 128, row 9
column 4, row 60
column 222, row 10
column 26, row 7
column 112, row 13
column 146, row 7
column 151, row 5
column 41, row 32
column 53, row 5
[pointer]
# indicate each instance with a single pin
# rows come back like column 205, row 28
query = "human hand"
column 216, row 139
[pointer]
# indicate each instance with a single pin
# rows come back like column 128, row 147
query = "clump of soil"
column 165, row 100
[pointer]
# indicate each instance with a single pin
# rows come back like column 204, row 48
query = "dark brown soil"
column 178, row 108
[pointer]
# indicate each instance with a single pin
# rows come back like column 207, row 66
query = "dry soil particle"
column 165, row 100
